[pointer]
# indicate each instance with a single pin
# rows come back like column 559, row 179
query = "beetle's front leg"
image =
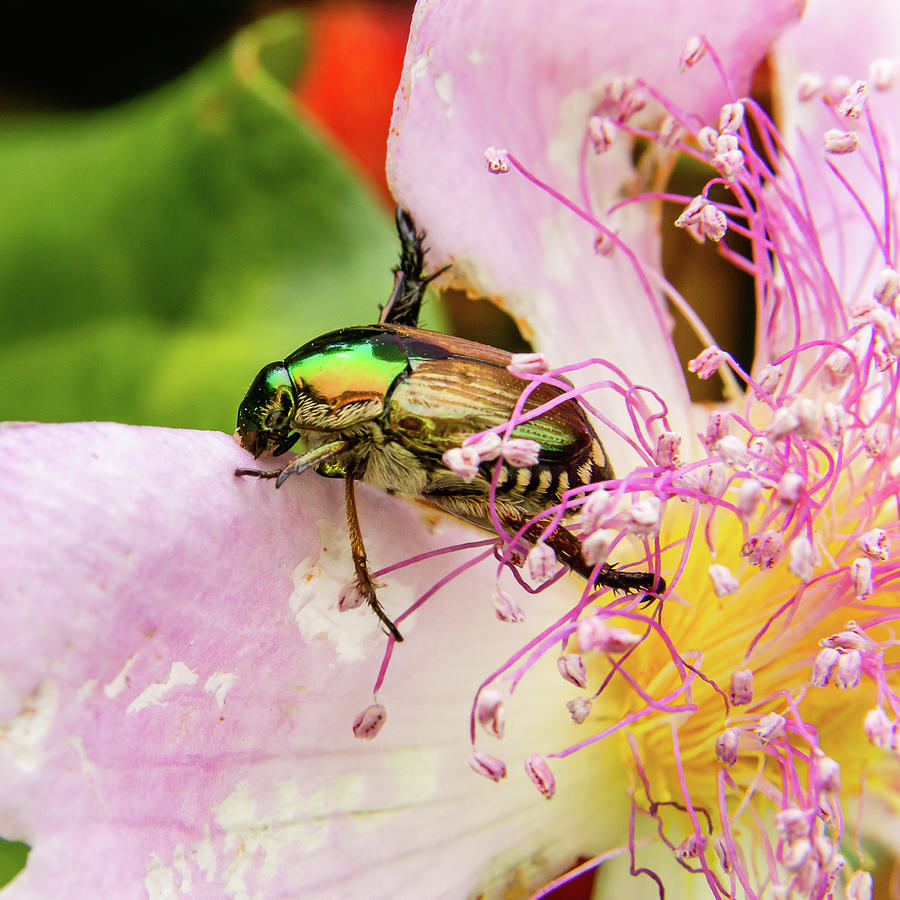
column 299, row 464
column 363, row 582
column 260, row 473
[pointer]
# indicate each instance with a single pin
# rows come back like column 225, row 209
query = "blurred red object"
column 348, row 84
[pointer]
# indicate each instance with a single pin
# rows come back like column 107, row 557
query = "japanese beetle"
column 382, row 403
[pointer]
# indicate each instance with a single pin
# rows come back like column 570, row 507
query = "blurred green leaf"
column 12, row 859
column 154, row 256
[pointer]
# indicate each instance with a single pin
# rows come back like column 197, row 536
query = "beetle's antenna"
column 409, row 285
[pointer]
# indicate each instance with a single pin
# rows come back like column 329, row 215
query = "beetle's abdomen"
column 528, row 490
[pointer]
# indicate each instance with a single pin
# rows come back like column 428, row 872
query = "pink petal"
column 840, row 40
column 522, row 76
column 178, row 689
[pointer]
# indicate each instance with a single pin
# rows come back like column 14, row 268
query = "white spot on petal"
column 120, row 682
column 443, row 85
column 159, row 882
column 21, row 735
column 86, row 689
column 419, row 68
column 219, row 684
column 77, row 744
column 152, row 695
column 318, row 589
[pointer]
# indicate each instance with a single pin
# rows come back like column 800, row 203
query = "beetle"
column 382, row 403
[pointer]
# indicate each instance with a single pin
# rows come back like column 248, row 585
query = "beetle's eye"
column 278, row 416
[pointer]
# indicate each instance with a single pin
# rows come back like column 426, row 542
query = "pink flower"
column 795, row 476
column 180, row 690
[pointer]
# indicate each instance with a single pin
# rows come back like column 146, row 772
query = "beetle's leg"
column 300, row 463
column 358, row 550
column 409, row 284
column 260, row 473
column 568, row 548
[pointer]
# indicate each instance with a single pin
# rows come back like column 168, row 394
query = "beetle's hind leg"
column 364, row 582
column 409, row 283
column 568, row 548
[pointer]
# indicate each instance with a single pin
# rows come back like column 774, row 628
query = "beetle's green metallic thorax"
column 341, row 379
column 346, row 378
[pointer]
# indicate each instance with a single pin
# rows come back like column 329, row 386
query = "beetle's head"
column 266, row 412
